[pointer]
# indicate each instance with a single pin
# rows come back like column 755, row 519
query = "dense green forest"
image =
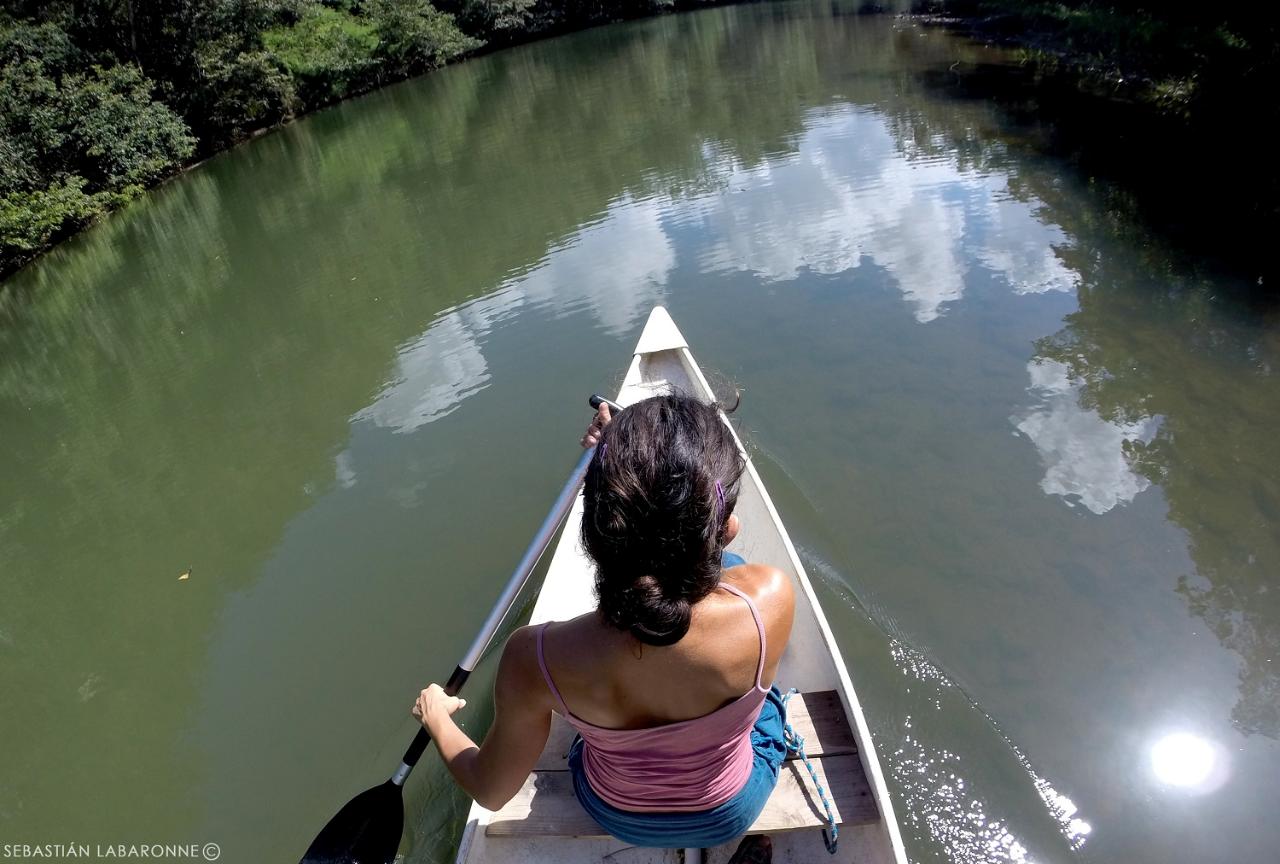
column 101, row 98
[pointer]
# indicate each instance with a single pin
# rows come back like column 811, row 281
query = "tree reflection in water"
column 1214, row 452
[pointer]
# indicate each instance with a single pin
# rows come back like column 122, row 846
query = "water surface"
column 1026, row 449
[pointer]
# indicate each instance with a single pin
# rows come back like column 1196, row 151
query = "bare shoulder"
column 771, row 591
column 519, row 673
column 769, row 588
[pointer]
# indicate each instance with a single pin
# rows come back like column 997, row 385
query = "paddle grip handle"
column 454, row 685
column 420, row 741
column 596, row 401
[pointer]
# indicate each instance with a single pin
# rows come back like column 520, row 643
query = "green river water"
column 1028, row 452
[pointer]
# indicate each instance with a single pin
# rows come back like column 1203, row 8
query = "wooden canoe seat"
column 546, row 807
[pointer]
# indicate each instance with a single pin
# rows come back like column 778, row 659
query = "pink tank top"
column 686, row 766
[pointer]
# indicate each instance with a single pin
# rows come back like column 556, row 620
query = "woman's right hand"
column 601, row 420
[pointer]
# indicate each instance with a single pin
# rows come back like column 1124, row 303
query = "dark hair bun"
column 656, row 501
column 643, row 609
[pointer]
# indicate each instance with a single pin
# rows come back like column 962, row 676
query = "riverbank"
column 1172, row 110
column 99, row 108
column 1150, row 106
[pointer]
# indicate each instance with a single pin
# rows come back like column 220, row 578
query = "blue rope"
column 795, row 744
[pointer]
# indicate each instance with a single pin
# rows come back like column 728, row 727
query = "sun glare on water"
column 1188, row 762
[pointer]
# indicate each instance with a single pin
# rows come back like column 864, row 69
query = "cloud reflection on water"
column 850, row 192
column 438, row 370
column 615, row 268
column 1083, row 454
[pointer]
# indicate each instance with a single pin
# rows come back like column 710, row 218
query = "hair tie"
column 658, row 638
column 719, row 500
column 603, row 448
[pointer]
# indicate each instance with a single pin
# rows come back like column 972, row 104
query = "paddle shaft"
column 559, row 510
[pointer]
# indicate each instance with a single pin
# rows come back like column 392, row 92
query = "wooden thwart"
column 546, row 807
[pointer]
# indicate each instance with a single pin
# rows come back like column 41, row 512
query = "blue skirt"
column 705, row 828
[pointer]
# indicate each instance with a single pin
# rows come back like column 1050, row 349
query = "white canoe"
column 544, row 823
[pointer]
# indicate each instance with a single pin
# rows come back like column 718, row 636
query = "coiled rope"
column 795, row 744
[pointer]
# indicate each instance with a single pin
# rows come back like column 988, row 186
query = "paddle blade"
column 366, row 831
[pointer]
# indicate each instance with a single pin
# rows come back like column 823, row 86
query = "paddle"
column 367, row 830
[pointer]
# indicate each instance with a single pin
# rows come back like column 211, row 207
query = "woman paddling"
column 680, row 737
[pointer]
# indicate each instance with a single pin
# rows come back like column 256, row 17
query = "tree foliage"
column 74, row 143
column 28, row 219
column 117, row 134
column 414, row 36
column 329, row 53
column 241, row 90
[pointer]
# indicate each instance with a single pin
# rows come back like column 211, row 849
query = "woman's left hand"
column 602, row 419
column 433, row 703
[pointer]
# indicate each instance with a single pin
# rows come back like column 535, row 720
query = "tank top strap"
column 546, row 674
column 755, row 614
